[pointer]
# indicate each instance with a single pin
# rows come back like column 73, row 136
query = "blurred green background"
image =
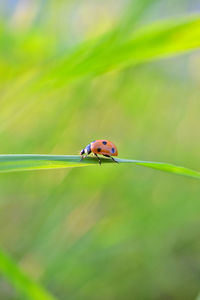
column 110, row 232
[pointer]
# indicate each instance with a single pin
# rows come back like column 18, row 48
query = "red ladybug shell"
column 104, row 147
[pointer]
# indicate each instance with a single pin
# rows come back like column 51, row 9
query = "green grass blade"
column 17, row 162
column 162, row 39
column 166, row 167
column 158, row 40
column 20, row 281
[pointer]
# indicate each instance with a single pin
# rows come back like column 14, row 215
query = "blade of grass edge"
column 28, row 162
column 23, row 284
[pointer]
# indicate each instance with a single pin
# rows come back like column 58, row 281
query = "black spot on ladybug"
column 113, row 150
column 104, row 142
column 99, row 149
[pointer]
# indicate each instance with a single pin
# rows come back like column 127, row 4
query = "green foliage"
column 27, row 287
column 159, row 40
column 64, row 82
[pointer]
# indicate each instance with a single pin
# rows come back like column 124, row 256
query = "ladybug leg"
column 114, row 159
column 110, row 157
column 82, row 157
column 98, row 158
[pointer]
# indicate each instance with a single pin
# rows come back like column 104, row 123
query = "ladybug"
column 103, row 147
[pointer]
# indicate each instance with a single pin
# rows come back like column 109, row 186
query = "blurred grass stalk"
column 27, row 287
column 159, row 40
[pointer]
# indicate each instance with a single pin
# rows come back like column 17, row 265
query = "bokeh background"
column 110, row 232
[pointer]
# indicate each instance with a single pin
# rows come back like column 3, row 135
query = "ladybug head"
column 86, row 150
column 82, row 152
